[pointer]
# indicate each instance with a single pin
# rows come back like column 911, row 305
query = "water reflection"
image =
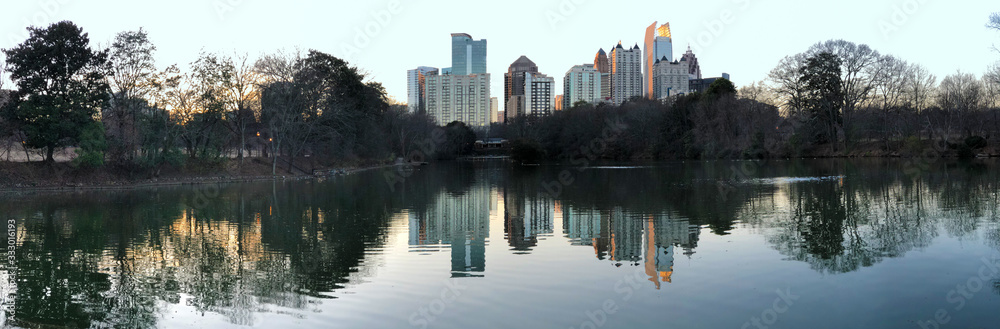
column 122, row 259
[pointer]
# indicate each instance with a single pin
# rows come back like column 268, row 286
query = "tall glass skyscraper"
column 659, row 44
column 467, row 56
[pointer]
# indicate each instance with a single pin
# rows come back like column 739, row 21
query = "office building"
column 626, row 73
column 464, row 98
column 670, row 78
column 602, row 65
column 514, row 83
column 659, row 45
column 416, row 88
column 582, row 83
column 468, row 56
column 694, row 70
column 461, row 92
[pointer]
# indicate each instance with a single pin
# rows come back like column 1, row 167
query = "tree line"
column 117, row 109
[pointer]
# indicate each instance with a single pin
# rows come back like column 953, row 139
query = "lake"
column 723, row 244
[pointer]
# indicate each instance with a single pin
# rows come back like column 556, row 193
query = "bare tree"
column 994, row 24
column 857, row 69
column 919, row 86
column 889, row 82
column 281, row 105
column 961, row 95
column 991, row 82
column 229, row 86
column 758, row 92
column 787, row 83
column 132, row 78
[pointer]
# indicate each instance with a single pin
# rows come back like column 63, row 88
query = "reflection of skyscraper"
column 526, row 219
column 462, row 223
column 620, row 237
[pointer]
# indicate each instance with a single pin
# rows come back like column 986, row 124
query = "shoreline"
column 192, row 180
column 221, row 177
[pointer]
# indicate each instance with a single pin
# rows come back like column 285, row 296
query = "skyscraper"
column 670, row 78
column 464, row 98
column 602, row 65
column 693, row 68
column 467, row 56
column 538, row 90
column 461, row 92
column 659, row 44
column 582, row 83
column 626, row 73
column 415, row 87
column 514, row 83
column 535, row 99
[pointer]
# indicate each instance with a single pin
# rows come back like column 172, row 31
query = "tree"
column 721, row 87
column 960, row 92
column 857, row 69
column 788, row 87
column 230, row 86
column 994, row 24
column 919, row 85
column 61, row 85
column 991, row 80
column 132, row 78
column 824, row 94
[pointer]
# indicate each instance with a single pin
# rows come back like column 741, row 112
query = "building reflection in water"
column 632, row 239
column 459, row 222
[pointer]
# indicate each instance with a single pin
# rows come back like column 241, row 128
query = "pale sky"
column 745, row 38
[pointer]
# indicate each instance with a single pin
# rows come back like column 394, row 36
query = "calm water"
column 824, row 244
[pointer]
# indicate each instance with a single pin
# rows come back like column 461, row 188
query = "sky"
column 384, row 38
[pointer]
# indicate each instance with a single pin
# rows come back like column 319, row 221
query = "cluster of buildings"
column 462, row 92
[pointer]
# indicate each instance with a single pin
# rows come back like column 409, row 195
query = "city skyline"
column 557, row 36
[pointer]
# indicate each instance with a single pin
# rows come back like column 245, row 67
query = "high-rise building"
column 670, row 78
column 494, row 107
column 415, row 88
column 694, row 70
column 626, row 73
column 582, row 83
column 514, row 82
column 464, row 98
column 558, row 104
column 536, row 100
column 602, row 65
column 467, row 56
column 461, row 92
column 659, row 44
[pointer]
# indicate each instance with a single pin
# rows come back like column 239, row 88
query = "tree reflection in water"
column 119, row 259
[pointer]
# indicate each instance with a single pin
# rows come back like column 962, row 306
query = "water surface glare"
column 776, row 244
